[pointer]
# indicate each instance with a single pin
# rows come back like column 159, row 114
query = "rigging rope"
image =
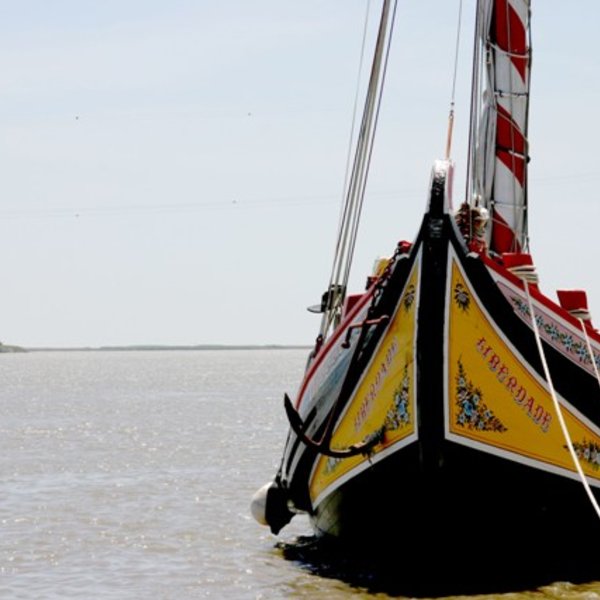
column 348, row 228
column 557, row 408
column 369, row 150
column 453, row 94
column 344, row 207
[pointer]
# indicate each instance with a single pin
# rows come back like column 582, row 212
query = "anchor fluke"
column 323, row 446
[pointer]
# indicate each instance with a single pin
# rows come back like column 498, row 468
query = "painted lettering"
column 483, row 347
column 511, row 384
column 521, row 395
column 529, row 406
column 546, row 420
column 502, row 373
column 539, row 414
column 382, row 373
column 533, row 409
column 493, row 362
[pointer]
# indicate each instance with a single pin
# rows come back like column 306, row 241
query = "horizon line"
column 151, row 347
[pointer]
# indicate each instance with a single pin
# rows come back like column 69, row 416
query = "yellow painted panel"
column 384, row 401
column 494, row 399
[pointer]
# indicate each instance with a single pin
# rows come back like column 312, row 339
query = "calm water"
column 129, row 475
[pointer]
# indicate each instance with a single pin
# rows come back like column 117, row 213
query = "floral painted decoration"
column 472, row 411
column 462, row 297
column 572, row 346
column 398, row 415
column 588, row 452
column 409, row 297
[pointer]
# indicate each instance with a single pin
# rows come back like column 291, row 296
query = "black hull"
column 444, row 533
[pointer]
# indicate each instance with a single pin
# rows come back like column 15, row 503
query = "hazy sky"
column 171, row 172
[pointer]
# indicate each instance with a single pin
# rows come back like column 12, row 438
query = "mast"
column 499, row 163
column 333, row 299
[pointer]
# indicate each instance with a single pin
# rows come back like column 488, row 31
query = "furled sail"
column 500, row 163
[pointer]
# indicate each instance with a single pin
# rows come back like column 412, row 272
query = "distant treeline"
column 8, row 348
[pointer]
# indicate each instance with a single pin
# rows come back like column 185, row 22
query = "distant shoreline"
column 9, row 349
column 157, row 347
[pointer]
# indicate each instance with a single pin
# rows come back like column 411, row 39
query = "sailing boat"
column 451, row 401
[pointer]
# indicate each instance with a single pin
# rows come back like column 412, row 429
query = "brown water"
column 128, row 475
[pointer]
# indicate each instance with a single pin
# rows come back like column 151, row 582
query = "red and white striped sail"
column 503, row 147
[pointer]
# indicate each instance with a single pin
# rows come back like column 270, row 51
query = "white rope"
column 557, row 408
column 589, row 349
